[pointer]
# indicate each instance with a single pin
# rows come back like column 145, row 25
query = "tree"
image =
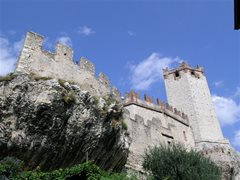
column 176, row 163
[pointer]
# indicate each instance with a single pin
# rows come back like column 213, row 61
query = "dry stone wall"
column 60, row 65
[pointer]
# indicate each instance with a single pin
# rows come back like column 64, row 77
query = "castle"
column 188, row 118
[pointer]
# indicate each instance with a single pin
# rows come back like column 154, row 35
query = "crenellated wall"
column 150, row 124
column 60, row 65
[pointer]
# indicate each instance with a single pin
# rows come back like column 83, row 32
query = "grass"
column 38, row 78
column 61, row 82
column 8, row 77
column 69, row 97
column 124, row 125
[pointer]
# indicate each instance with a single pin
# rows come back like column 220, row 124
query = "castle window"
column 65, row 54
column 169, row 143
column 184, row 135
column 177, row 74
column 192, row 73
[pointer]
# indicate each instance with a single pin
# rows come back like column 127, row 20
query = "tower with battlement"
column 187, row 89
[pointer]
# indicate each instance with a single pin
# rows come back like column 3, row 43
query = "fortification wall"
column 60, row 65
column 150, row 124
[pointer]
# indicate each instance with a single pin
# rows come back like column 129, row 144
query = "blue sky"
column 131, row 41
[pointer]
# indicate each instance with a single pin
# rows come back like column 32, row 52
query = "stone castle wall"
column 60, row 65
column 152, row 124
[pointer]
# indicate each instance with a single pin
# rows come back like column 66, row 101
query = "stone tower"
column 187, row 90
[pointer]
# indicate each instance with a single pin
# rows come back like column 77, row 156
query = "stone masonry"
column 60, row 65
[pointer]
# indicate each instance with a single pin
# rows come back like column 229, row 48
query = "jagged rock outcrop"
column 51, row 123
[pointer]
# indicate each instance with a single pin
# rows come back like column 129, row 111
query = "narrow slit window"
column 177, row 74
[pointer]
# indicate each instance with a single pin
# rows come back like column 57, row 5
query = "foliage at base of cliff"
column 12, row 168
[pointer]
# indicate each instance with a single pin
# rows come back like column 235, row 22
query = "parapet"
column 183, row 67
column 60, row 65
column 86, row 65
column 104, row 79
column 63, row 52
column 133, row 98
column 33, row 40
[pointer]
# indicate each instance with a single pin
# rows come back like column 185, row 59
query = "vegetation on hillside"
column 12, row 168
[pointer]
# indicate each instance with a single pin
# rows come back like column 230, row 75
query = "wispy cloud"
column 149, row 71
column 237, row 93
column 12, row 32
column 218, row 84
column 130, row 33
column 227, row 109
column 65, row 40
column 236, row 139
column 86, row 31
column 8, row 54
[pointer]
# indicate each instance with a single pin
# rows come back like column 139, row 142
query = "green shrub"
column 124, row 125
column 86, row 170
column 10, row 167
column 69, row 97
column 175, row 163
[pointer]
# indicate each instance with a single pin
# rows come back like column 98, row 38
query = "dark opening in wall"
column 177, row 74
column 65, row 54
column 192, row 73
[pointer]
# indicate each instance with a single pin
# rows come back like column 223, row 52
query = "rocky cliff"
column 225, row 157
column 51, row 123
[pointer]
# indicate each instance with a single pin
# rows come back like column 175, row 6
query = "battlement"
column 60, row 65
column 162, row 107
column 183, row 67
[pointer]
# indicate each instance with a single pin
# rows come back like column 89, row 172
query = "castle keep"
column 188, row 118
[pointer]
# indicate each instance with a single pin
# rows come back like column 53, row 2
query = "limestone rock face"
column 54, row 124
column 225, row 157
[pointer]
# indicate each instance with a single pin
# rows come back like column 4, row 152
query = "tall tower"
column 187, row 90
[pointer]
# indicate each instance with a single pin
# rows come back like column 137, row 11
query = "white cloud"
column 8, row 55
column 228, row 110
column 236, row 139
column 149, row 71
column 65, row 40
column 219, row 84
column 85, row 31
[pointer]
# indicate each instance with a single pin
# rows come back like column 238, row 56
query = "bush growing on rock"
column 176, row 163
column 69, row 98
